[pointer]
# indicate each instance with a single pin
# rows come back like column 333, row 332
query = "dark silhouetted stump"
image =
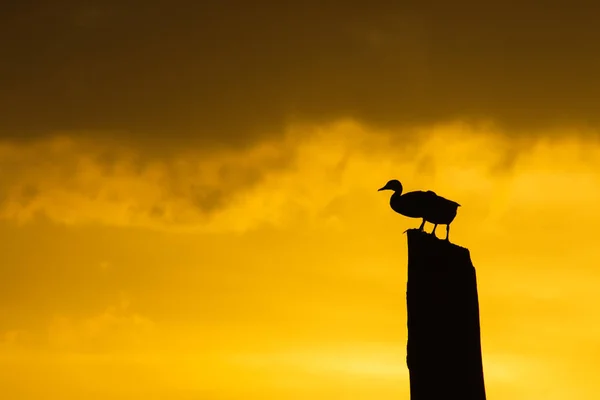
column 444, row 346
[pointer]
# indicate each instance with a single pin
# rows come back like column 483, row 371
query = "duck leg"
column 422, row 225
column 448, row 232
column 433, row 231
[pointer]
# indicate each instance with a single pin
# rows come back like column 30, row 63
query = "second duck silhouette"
column 427, row 205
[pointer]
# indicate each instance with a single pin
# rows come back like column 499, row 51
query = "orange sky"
column 184, row 218
column 294, row 288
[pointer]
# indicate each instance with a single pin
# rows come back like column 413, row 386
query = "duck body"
column 428, row 205
column 422, row 204
column 411, row 204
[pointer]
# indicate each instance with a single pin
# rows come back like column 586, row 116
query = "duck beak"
column 383, row 188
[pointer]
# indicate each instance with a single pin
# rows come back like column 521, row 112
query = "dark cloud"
column 210, row 73
column 29, row 193
column 192, row 185
column 209, row 199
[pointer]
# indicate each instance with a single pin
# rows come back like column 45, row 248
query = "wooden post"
column 444, row 346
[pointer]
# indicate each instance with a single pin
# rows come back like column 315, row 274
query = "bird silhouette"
column 427, row 205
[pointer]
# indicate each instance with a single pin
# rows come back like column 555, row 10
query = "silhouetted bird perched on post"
column 427, row 205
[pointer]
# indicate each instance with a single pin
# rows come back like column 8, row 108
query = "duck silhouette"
column 427, row 205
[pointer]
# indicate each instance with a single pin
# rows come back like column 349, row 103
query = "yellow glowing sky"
column 294, row 288
column 189, row 205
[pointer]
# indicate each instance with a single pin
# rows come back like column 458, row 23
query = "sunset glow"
column 196, row 237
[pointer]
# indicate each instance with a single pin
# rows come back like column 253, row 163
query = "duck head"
column 394, row 185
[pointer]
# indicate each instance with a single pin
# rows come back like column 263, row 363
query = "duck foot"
column 433, row 231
